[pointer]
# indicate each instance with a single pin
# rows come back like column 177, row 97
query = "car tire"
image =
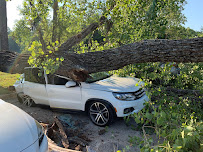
column 101, row 113
column 26, row 100
column 19, row 97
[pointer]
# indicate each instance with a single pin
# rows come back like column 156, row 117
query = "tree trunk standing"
column 55, row 20
column 44, row 46
column 3, row 26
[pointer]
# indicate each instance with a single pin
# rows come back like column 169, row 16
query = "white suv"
column 102, row 96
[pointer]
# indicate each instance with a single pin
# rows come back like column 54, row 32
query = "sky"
column 13, row 13
column 193, row 12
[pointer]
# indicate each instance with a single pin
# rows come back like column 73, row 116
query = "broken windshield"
column 97, row 76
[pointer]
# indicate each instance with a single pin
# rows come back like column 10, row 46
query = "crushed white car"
column 103, row 97
column 19, row 131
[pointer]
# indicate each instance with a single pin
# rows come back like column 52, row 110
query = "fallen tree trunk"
column 7, row 58
column 188, row 50
column 78, row 66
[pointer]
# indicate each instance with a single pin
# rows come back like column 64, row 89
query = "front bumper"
column 136, row 104
column 44, row 145
column 35, row 146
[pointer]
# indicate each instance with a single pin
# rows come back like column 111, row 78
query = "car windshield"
column 97, row 76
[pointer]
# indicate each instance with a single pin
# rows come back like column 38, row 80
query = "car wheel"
column 19, row 97
column 26, row 100
column 100, row 113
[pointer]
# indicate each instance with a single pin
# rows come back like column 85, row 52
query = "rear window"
column 32, row 75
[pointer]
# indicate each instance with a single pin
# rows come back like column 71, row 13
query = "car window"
column 50, row 78
column 32, row 75
column 57, row 79
column 27, row 73
column 60, row 81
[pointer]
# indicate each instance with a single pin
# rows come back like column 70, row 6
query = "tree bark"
column 55, row 20
column 3, row 26
column 7, row 59
column 78, row 66
column 188, row 50
column 44, row 46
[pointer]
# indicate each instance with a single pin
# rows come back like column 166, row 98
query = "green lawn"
column 6, row 80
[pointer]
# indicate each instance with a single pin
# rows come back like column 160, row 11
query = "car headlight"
column 40, row 131
column 124, row 96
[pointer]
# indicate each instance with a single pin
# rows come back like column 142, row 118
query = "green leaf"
column 160, row 121
column 62, row 59
column 163, row 114
column 47, row 71
column 57, row 42
column 40, row 74
column 189, row 128
column 33, row 54
column 149, row 116
column 137, row 120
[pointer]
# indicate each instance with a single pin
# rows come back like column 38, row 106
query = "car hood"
column 115, row 84
column 17, row 129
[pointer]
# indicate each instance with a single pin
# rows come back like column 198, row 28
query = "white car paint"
column 60, row 96
column 38, row 91
column 18, row 131
column 114, row 84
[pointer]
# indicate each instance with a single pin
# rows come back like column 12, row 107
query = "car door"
column 62, row 97
column 35, row 86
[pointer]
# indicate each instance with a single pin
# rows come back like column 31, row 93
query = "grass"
column 6, row 80
column 4, row 91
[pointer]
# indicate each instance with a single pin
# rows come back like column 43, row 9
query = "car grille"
column 139, row 94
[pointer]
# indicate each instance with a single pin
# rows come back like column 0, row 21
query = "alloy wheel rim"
column 99, row 113
column 27, row 101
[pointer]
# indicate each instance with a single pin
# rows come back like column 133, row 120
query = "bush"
column 175, row 111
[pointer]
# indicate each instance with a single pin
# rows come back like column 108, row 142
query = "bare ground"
column 103, row 139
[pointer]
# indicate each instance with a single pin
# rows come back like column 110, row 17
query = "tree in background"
column 13, row 46
column 127, row 21
column 3, row 26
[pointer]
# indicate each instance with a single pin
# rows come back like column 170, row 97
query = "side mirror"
column 70, row 84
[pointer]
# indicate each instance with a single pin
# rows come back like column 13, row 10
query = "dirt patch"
column 99, row 139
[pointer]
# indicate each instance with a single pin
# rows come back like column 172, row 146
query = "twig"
column 144, row 134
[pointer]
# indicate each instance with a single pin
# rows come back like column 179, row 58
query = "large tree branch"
column 188, row 50
column 79, row 37
column 78, row 66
